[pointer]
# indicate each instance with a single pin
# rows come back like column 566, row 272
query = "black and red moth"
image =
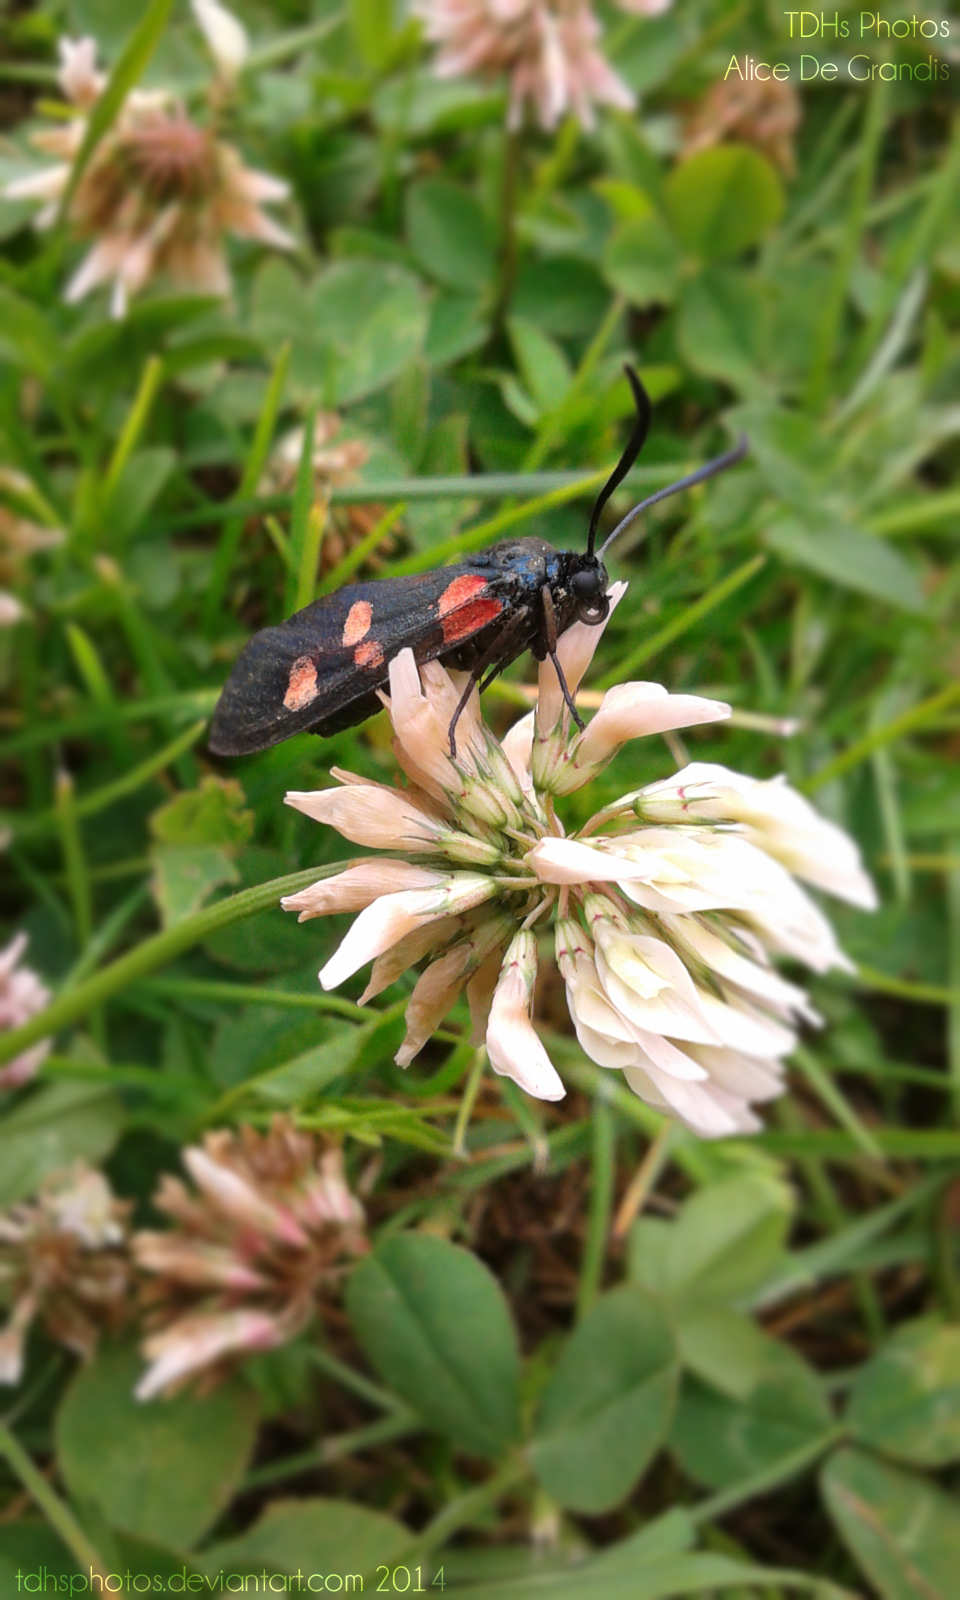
column 321, row 669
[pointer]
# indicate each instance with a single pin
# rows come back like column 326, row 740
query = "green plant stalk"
column 398, row 1425
column 760, row 1483
column 907, row 722
column 291, row 44
column 132, row 429
column 507, row 259
column 74, row 859
column 602, row 1179
column 192, row 703
column 91, row 804
column 475, row 538
column 59, row 1516
column 835, row 1101
column 145, row 958
column 357, row 556
column 106, row 935
column 953, row 1005
column 684, row 622
column 252, row 473
column 826, row 336
column 251, row 994
column 305, row 537
column 925, row 513
column 453, row 486
column 467, row 1102
column 130, row 66
column 555, row 423
column 468, row 1508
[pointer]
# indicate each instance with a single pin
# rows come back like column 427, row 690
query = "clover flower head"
column 763, row 113
column 158, row 196
column 256, row 1241
column 669, row 904
column 64, row 1264
column 548, row 50
column 22, row 996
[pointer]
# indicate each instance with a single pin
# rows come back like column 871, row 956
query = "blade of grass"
column 154, row 952
column 483, row 532
column 59, row 1515
column 90, row 804
column 877, row 738
column 132, row 429
column 358, row 555
column 252, row 473
column 953, row 972
column 251, row 994
column 130, row 67
column 463, row 486
column 687, row 619
column 192, row 703
column 832, row 1098
column 602, row 1180
column 826, row 336
column 304, row 535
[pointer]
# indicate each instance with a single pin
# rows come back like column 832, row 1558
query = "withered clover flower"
column 159, row 194
column 265, row 1231
column 22, row 996
column 336, row 463
column 669, row 903
column 63, row 1263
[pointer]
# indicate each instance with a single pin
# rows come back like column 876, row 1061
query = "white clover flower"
column 670, row 904
column 547, row 49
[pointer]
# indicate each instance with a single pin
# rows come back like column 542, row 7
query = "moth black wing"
column 321, row 669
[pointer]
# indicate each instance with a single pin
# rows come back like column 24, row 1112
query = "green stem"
column 305, row 533
column 602, row 1176
column 727, row 1500
column 466, row 1509
column 826, row 336
column 59, row 1516
column 147, row 957
column 132, row 429
column 252, row 473
column 90, row 804
column 907, row 722
column 455, row 486
column 686, row 620
column 469, row 1099
column 251, row 994
column 349, row 1378
column 953, row 973
column 384, row 1431
column 357, row 556
column 508, row 230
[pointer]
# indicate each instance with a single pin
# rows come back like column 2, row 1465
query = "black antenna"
column 635, row 444
column 719, row 464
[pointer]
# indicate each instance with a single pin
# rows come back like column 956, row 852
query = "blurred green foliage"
column 754, row 1387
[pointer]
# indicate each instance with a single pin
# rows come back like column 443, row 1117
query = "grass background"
column 758, row 1382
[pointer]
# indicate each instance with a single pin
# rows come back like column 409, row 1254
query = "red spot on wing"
column 302, row 687
column 469, row 619
column 358, row 622
column 457, row 593
column 369, row 654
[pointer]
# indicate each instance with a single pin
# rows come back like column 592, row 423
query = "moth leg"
column 515, row 626
column 550, row 628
